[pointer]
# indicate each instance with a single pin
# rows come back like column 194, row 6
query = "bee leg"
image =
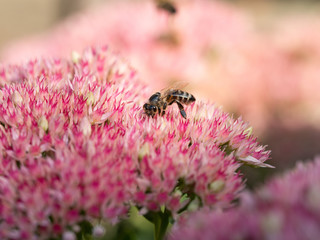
column 164, row 109
column 183, row 113
column 171, row 102
column 165, row 106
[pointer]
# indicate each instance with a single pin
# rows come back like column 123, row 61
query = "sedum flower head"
column 285, row 208
column 226, row 61
column 78, row 147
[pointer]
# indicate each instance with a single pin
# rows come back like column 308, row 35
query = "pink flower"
column 152, row 43
column 76, row 146
column 212, row 45
column 286, row 208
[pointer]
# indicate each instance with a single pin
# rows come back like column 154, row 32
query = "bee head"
column 150, row 109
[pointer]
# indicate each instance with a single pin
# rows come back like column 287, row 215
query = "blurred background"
column 19, row 18
column 258, row 59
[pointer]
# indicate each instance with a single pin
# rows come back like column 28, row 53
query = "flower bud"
column 16, row 98
column 217, row 186
column 98, row 231
column 75, row 56
column 43, row 123
column 90, row 99
column 85, row 126
column 68, row 235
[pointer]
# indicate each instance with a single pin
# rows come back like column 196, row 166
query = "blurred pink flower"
column 299, row 44
column 162, row 49
column 286, row 208
column 76, row 146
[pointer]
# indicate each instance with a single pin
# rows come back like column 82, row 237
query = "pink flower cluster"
column 213, row 45
column 286, row 208
column 75, row 146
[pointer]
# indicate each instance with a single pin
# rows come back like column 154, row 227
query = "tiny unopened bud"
column 16, row 98
column 122, row 68
column 248, row 131
column 163, row 126
column 98, row 231
column 272, row 222
column 194, row 205
column 217, row 186
column 68, row 235
column 144, row 150
column 90, row 99
column 76, row 228
column 143, row 211
column 43, row 123
column 85, row 126
column 177, row 193
column 75, row 56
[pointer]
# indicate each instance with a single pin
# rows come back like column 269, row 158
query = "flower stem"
column 160, row 220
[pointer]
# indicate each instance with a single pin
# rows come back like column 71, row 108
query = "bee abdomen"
column 191, row 98
column 182, row 97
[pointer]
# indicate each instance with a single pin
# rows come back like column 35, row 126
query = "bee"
column 167, row 6
column 158, row 103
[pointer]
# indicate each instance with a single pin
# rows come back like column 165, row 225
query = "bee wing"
column 173, row 85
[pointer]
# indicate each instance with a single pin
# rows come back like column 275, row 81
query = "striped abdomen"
column 179, row 96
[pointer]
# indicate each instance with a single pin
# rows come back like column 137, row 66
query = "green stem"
column 161, row 222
